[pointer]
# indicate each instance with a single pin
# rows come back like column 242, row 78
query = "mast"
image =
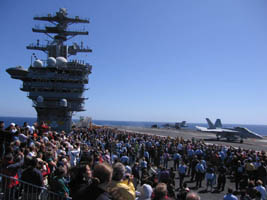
column 60, row 23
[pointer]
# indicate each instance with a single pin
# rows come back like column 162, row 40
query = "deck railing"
column 16, row 189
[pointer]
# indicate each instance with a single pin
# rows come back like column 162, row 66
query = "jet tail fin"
column 218, row 123
column 211, row 125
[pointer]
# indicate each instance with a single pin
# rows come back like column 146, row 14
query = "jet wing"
column 199, row 128
column 215, row 130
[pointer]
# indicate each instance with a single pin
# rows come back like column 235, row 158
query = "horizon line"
column 145, row 121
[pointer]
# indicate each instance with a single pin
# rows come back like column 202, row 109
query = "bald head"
column 192, row 196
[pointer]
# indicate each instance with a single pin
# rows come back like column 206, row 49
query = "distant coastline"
column 260, row 129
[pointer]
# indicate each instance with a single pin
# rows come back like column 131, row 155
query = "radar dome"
column 40, row 99
column 51, row 62
column 61, row 61
column 38, row 63
column 63, row 103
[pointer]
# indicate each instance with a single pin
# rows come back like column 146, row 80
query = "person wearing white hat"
column 145, row 192
column 12, row 128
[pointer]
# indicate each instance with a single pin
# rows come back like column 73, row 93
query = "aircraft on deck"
column 177, row 125
column 228, row 133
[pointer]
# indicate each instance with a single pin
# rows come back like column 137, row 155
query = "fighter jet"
column 177, row 125
column 229, row 133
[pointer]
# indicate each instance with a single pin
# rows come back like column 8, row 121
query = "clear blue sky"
column 153, row 60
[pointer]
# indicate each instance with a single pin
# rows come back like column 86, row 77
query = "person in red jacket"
column 10, row 169
column 45, row 170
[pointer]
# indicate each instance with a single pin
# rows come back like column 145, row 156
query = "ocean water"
column 260, row 129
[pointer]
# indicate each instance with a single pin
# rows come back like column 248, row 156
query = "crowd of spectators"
column 106, row 163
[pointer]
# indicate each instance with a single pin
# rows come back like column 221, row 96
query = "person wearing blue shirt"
column 211, row 178
column 176, row 159
column 182, row 171
column 148, row 144
column 128, row 145
column 198, row 152
column 200, row 171
column 146, row 155
column 229, row 195
column 222, row 154
column 204, row 163
column 125, row 160
column 124, row 149
column 119, row 145
column 190, row 152
column 143, row 164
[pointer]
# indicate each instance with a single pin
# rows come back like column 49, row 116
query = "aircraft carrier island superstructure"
column 56, row 84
